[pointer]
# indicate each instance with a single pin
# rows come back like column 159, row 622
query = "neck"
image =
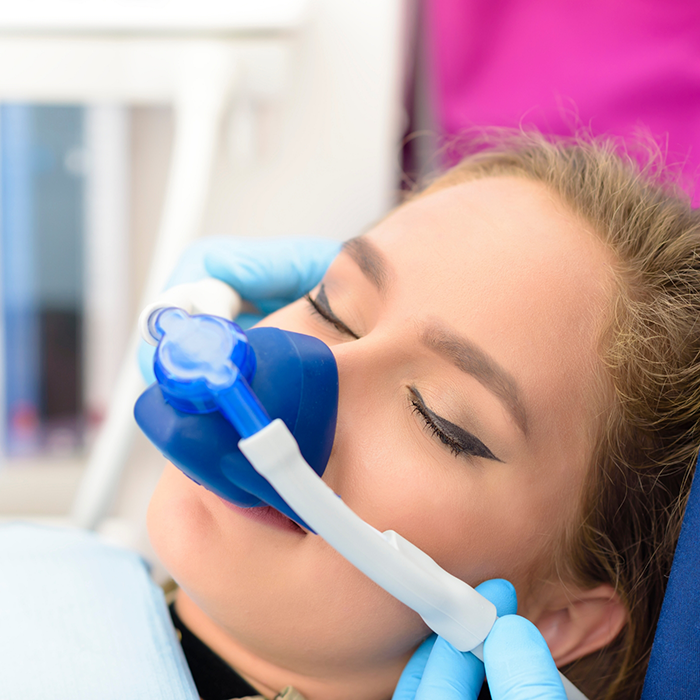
column 269, row 679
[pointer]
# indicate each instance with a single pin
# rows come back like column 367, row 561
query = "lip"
column 267, row 515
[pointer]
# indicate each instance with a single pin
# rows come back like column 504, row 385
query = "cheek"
column 178, row 523
column 478, row 520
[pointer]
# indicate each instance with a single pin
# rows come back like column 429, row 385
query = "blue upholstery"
column 80, row 620
column 674, row 667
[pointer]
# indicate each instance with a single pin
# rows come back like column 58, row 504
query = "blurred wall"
column 322, row 157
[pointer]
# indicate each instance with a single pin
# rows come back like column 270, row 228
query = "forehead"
column 519, row 219
column 510, row 267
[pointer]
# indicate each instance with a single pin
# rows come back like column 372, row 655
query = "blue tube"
column 242, row 408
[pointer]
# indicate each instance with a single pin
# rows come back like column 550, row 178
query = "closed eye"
column 322, row 307
column 459, row 441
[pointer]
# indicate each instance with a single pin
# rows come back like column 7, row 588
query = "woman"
column 518, row 393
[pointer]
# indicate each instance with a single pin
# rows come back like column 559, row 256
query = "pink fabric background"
column 611, row 65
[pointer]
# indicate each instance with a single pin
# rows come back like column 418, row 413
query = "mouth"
column 269, row 516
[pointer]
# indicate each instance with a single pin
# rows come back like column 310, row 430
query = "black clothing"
column 214, row 678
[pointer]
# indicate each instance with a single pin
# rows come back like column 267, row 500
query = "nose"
column 364, row 366
column 367, row 390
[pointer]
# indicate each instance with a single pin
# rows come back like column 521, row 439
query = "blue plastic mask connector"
column 204, row 364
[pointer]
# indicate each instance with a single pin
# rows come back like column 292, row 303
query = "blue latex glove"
column 268, row 273
column 516, row 658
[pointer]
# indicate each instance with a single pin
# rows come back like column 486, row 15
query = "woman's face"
column 465, row 327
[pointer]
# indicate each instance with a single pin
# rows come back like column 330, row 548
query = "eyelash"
column 476, row 449
column 316, row 308
column 455, row 447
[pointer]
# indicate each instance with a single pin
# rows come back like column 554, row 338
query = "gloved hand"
column 516, row 658
column 268, row 273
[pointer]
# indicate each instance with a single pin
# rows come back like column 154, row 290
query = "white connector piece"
column 208, row 296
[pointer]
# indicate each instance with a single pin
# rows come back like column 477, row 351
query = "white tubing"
column 449, row 606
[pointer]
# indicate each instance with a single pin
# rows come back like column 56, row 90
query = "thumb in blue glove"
column 271, row 273
column 518, row 663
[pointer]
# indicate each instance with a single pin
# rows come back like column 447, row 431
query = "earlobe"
column 582, row 623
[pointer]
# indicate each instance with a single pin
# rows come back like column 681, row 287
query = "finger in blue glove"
column 412, row 674
column 518, row 663
column 271, row 273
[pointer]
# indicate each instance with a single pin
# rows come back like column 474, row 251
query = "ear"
column 576, row 623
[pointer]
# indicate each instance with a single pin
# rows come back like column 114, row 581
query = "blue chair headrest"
column 674, row 666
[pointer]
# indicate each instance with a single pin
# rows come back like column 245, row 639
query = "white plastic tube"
column 208, row 296
column 449, row 606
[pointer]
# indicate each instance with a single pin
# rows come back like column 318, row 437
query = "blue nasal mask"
column 217, row 385
column 252, row 418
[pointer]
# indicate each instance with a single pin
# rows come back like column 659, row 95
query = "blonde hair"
column 647, row 440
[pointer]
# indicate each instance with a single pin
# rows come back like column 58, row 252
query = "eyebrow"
column 370, row 260
column 471, row 359
column 462, row 353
